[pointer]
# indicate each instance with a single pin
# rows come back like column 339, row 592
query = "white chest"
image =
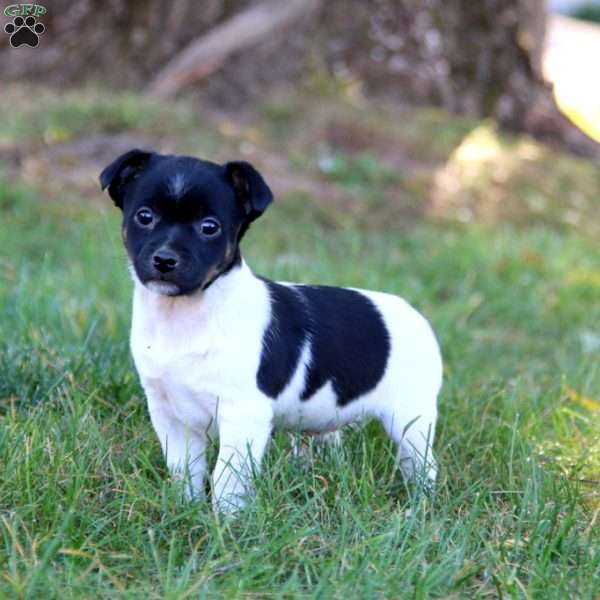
column 193, row 353
column 176, row 379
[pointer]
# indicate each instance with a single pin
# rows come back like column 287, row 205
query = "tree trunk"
column 494, row 52
column 244, row 30
column 480, row 58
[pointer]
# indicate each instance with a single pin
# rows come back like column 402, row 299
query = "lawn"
column 86, row 505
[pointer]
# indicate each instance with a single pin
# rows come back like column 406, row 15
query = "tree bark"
column 206, row 54
column 494, row 52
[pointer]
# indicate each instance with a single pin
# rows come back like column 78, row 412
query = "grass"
column 86, row 505
column 41, row 115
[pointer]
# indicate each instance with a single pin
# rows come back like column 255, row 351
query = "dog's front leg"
column 184, row 448
column 244, row 432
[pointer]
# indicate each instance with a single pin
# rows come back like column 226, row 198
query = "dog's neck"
column 230, row 287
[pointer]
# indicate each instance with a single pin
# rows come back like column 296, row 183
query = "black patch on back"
column 283, row 339
column 350, row 344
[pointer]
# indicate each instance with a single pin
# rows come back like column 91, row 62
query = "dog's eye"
column 144, row 217
column 210, row 227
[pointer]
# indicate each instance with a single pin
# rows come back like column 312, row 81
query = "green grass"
column 36, row 114
column 86, row 505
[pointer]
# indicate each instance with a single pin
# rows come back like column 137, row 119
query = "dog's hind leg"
column 414, row 439
column 302, row 445
column 331, row 439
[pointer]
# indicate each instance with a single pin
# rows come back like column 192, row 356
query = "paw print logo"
column 24, row 32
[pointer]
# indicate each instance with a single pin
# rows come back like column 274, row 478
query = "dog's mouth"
column 166, row 288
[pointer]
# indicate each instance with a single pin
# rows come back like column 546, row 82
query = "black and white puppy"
column 216, row 346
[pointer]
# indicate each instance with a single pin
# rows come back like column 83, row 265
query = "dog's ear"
column 122, row 171
column 251, row 191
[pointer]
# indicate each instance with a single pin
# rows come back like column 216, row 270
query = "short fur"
column 218, row 348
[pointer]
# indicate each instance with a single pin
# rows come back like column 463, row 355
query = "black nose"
column 165, row 261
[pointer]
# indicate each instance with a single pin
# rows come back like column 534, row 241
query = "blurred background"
column 443, row 150
column 320, row 94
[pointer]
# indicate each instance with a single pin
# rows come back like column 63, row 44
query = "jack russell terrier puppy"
column 217, row 347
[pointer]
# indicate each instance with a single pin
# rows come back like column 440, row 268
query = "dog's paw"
column 24, row 32
column 229, row 505
column 304, row 446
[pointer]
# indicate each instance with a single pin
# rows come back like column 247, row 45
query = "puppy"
column 217, row 347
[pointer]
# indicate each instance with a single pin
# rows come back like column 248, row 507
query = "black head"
column 183, row 218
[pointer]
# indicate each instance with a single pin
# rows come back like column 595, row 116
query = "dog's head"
column 183, row 218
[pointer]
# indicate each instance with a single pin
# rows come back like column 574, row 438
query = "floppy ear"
column 251, row 191
column 122, row 171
